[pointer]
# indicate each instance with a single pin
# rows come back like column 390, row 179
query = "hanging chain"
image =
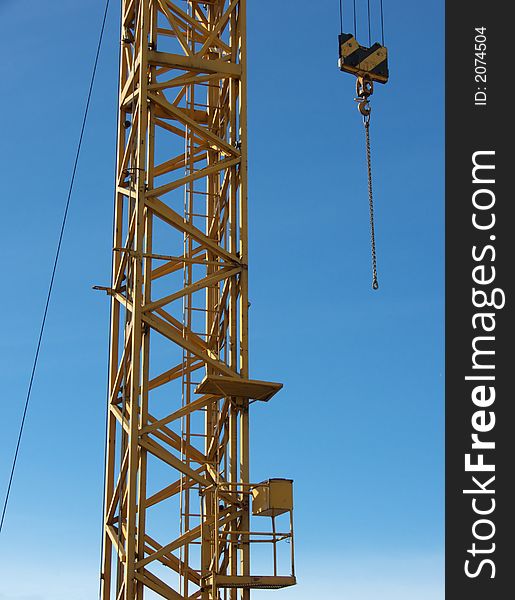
column 364, row 89
column 375, row 283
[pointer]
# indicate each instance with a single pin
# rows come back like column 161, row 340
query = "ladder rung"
column 190, row 214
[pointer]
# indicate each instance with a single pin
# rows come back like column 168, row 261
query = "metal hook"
column 364, row 107
column 364, row 87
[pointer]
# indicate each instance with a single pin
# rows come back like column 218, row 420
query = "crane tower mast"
column 179, row 502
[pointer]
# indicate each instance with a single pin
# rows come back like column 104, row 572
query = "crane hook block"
column 362, row 61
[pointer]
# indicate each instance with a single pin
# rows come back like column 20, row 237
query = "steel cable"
column 382, row 24
column 54, row 270
column 369, row 29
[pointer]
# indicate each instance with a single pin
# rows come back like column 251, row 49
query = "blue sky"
column 359, row 425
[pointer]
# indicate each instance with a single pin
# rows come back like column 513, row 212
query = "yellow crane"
column 181, row 512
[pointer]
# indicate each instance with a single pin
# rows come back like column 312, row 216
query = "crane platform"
column 252, row 389
column 257, row 582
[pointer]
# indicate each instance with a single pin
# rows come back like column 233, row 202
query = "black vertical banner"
column 480, row 361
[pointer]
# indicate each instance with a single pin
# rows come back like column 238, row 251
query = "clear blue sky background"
column 359, row 425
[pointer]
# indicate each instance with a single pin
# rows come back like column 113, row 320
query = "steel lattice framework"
column 177, row 520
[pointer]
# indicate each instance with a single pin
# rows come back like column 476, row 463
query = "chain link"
column 375, row 283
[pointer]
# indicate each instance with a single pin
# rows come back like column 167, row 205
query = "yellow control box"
column 273, row 497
